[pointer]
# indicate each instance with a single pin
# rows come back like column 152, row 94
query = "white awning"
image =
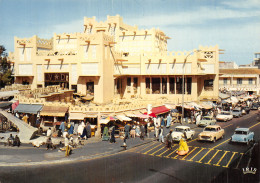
column 123, row 118
column 77, row 116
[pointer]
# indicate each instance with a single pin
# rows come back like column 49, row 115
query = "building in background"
column 112, row 60
column 240, row 79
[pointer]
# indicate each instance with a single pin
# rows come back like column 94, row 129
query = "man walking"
column 127, row 130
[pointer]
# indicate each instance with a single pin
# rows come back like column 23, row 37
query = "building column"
column 168, row 85
column 98, row 132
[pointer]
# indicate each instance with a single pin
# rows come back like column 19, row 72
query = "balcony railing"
column 238, row 86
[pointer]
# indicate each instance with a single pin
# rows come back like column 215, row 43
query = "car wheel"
column 191, row 137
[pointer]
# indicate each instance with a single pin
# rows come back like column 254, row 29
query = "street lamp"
column 183, row 70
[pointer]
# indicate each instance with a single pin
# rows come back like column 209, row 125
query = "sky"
column 234, row 25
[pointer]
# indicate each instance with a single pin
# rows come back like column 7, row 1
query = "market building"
column 111, row 60
column 120, row 68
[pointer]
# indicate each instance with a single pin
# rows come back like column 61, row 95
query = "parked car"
column 182, row 131
column 237, row 112
column 211, row 133
column 224, row 116
column 247, row 109
column 206, row 120
column 254, row 106
column 243, row 135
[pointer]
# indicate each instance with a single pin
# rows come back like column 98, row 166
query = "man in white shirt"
column 49, row 132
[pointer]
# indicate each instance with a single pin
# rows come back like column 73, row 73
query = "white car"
column 182, row 131
column 224, row 116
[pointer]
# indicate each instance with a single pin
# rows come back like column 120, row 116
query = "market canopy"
column 5, row 104
column 223, row 95
column 160, row 110
column 56, row 111
column 28, row 108
column 123, row 118
column 77, row 116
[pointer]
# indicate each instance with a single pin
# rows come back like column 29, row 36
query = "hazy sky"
column 232, row 24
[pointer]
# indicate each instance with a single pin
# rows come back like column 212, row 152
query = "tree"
column 5, row 68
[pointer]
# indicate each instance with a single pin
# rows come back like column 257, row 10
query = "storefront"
column 61, row 79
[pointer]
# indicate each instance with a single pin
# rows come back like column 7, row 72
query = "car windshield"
column 208, row 129
column 240, row 132
column 205, row 118
column 179, row 129
column 225, row 113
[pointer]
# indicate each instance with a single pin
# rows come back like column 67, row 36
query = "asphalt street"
column 152, row 162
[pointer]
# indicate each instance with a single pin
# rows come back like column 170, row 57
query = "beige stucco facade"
column 112, row 60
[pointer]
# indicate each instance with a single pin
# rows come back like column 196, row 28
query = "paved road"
column 152, row 162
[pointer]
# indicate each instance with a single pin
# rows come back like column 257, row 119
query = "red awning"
column 160, row 110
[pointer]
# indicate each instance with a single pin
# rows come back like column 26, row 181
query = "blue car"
column 243, row 135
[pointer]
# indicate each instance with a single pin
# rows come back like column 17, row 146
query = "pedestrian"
column 156, row 128
column 49, row 144
column 127, row 130
column 71, row 129
column 112, row 138
column 25, row 118
column 38, row 122
column 142, row 129
column 161, row 136
column 105, row 136
column 17, row 141
column 169, row 120
column 88, row 130
column 49, row 132
column 62, row 127
column 137, row 130
column 10, row 140
column 162, row 121
column 169, row 140
column 67, row 146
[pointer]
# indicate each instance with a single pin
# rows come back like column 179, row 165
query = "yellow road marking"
column 196, row 154
column 189, row 153
column 227, row 126
column 160, row 155
column 146, row 147
column 204, row 156
column 221, row 143
column 208, row 163
column 230, row 159
column 192, row 140
column 151, row 149
column 171, row 153
column 221, row 158
column 158, row 150
column 254, row 125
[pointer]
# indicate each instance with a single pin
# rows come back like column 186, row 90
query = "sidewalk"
column 94, row 147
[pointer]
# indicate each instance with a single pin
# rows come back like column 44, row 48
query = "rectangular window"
column 239, row 81
column 135, row 85
column 164, row 85
column 172, row 85
column 94, row 51
column 147, row 83
column 208, row 85
column 156, row 85
column 74, row 87
column 225, row 81
column 90, row 88
column 178, row 85
column 250, row 81
column 189, row 84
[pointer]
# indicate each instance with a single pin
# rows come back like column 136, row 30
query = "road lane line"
column 171, row 153
column 220, row 143
column 204, row 156
column 160, row 155
column 242, row 154
column 208, row 163
column 157, row 150
column 221, row 158
column 192, row 140
column 189, row 153
column 254, row 125
column 151, row 149
column 196, row 154
column 230, row 159
column 146, row 147
column 227, row 126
